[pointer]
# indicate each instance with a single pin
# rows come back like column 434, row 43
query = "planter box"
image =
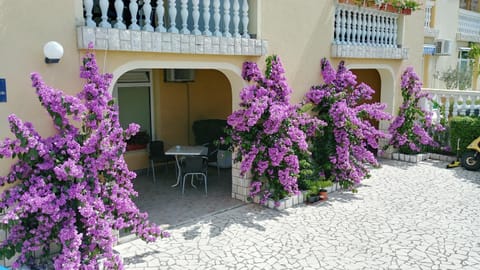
column 410, row 158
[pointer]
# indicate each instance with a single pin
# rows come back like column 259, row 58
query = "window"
column 133, row 97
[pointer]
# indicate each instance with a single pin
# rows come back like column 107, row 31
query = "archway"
column 175, row 106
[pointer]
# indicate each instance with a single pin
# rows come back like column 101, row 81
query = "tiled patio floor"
column 167, row 206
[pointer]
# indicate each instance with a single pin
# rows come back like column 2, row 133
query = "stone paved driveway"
column 404, row 217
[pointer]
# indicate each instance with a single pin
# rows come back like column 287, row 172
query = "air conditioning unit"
column 179, row 75
column 443, row 47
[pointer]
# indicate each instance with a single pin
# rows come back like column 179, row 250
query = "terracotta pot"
column 407, row 11
column 323, row 195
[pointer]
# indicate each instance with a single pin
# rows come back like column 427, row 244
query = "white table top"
column 183, row 150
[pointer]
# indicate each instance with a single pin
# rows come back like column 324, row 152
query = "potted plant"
column 322, row 192
column 313, row 192
column 138, row 141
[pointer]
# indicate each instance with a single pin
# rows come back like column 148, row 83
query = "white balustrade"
column 226, row 18
column 104, row 9
column 160, row 15
column 206, row 18
column 147, row 10
column 133, row 6
column 365, row 26
column 458, row 102
column 469, row 23
column 119, row 10
column 88, row 6
column 196, row 17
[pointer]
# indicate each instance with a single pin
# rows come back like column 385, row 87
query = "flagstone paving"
column 404, row 217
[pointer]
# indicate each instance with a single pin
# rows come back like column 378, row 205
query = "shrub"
column 268, row 133
column 466, row 129
column 341, row 149
column 73, row 188
column 409, row 129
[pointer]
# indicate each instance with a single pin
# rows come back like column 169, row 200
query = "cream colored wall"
column 25, row 27
column 446, row 14
column 210, row 98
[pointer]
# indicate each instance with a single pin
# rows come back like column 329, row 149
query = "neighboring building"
column 451, row 27
column 377, row 45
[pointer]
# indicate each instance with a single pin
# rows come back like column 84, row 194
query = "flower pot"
column 323, row 195
column 407, row 11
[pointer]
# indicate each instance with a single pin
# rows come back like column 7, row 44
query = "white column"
column 160, row 10
column 368, row 35
column 119, row 10
column 172, row 13
column 236, row 18
column 196, row 17
column 395, row 29
column 337, row 25
column 216, row 17
column 88, row 6
column 245, row 19
column 104, row 9
column 374, row 30
column 343, row 27
column 354, row 26
column 133, row 6
column 361, row 31
column 184, row 16
column 206, row 18
column 226, row 18
column 349, row 27
column 447, row 107
column 147, row 10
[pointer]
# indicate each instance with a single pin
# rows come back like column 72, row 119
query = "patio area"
column 404, row 217
column 167, row 207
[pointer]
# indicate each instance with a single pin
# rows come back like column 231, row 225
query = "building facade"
column 174, row 62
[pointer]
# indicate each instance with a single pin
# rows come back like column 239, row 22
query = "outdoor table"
column 183, row 150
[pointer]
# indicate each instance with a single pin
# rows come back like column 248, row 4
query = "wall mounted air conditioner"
column 443, row 47
column 179, row 75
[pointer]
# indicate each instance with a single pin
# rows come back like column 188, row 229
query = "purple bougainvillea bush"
column 73, row 189
column 343, row 149
column 409, row 129
column 267, row 132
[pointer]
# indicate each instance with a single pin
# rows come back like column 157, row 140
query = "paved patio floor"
column 404, row 217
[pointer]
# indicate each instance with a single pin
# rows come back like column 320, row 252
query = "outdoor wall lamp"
column 53, row 51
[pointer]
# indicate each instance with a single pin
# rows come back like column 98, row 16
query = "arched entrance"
column 372, row 78
column 174, row 102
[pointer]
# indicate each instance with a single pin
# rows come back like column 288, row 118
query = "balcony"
column 468, row 26
column 428, row 29
column 366, row 33
column 217, row 27
column 459, row 102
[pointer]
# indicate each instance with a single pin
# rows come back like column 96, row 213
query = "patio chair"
column 194, row 166
column 157, row 155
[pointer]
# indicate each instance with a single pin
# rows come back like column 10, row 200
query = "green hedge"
column 466, row 128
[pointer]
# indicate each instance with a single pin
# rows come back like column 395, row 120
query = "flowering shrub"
column 409, row 129
column 71, row 189
column 342, row 149
column 268, row 132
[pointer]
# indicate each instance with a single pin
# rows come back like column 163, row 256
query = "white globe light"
column 53, row 51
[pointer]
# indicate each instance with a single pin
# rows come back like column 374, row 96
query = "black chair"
column 212, row 155
column 157, row 155
column 194, row 166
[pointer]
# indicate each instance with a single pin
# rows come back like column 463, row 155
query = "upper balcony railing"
column 428, row 29
column 180, row 26
column 366, row 33
column 468, row 25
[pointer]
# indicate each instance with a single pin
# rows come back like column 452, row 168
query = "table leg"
column 179, row 170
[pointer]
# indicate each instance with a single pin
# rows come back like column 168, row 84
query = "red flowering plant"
column 409, row 130
column 343, row 149
column 267, row 132
column 73, row 189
